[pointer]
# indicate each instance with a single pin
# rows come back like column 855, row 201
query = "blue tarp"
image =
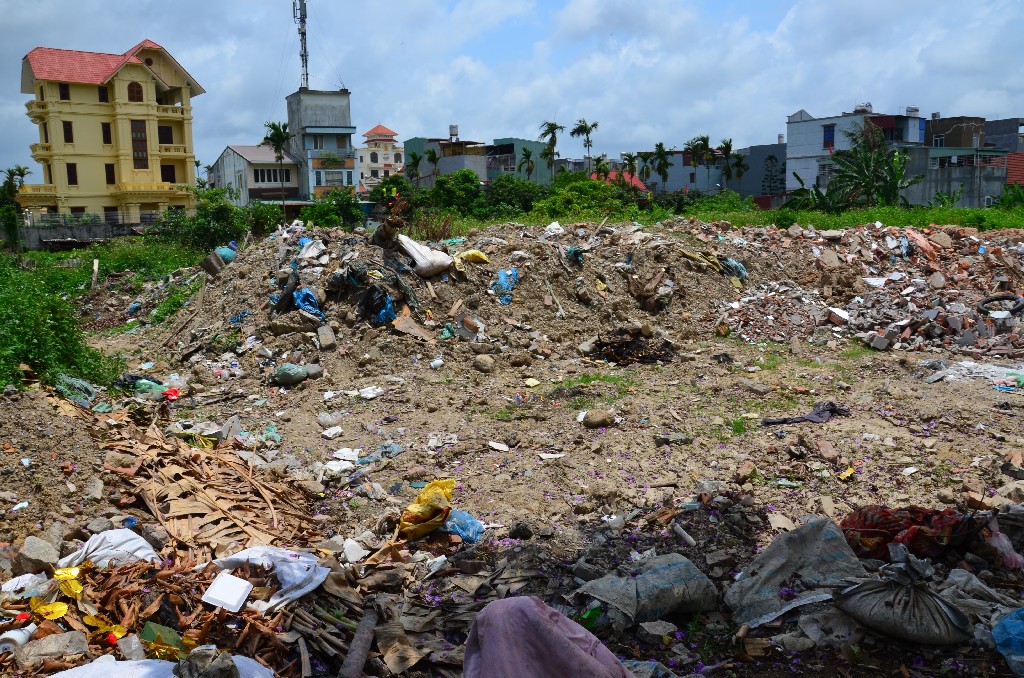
column 305, row 300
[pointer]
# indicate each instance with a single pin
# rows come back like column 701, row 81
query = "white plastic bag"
column 118, row 546
column 428, row 262
column 297, row 572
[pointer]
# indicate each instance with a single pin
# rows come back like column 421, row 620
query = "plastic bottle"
column 15, row 638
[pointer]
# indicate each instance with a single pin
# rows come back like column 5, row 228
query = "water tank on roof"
column 453, row 131
column 936, row 115
column 863, row 108
column 782, row 138
column 913, row 111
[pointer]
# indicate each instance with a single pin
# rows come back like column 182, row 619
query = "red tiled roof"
column 380, row 131
column 68, row 65
column 630, row 178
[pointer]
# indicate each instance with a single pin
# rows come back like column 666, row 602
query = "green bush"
column 579, row 199
column 9, row 224
column 215, row 221
column 40, row 329
column 508, row 196
column 261, row 217
column 457, row 191
column 337, row 207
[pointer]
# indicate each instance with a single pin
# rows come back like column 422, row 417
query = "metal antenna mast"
column 299, row 14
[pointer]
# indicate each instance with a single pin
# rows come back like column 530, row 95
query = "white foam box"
column 228, row 591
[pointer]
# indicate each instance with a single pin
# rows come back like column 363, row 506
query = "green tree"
column 661, row 163
column 699, row 148
column 646, row 162
column 526, row 161
column 456, row 191
column 549, row 135
column 277, row 137
column 738, row 166
column 629, row 162
column 725, row 148
column 430, row 155
column 395, row 184
column 215, row 220
column 336, row 207
column 893, row 181
column 412, row 165
column 508, row 195
column 602, row 168
column 585, row 129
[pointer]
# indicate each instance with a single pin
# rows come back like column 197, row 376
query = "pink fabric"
column 519, row 637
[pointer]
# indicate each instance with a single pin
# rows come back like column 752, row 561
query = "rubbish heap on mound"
column 888, row 287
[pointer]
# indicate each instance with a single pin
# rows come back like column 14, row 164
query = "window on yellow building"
column 107, row 136
column 134, row 92
column 65, row 91
column 109, row 169
column 69, row 132
column 167, row 174
column 72, row 174
column 165, row 134
column 46, row 133
column 140, row 148
column 104, row 94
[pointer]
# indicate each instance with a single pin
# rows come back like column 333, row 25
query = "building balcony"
column 172, row 111
column 37, row 110
column 332, row 153
column 40, row 150
column 149, row 187
column 173, row 149
column 41, row 190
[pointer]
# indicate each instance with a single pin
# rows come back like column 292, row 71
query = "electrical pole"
column 299, row 14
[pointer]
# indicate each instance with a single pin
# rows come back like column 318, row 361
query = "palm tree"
column 412, row 165
column 602, row 168
column 629, row 161
column 645, row 169
column 700, row 151
column 584, row 129
column 526, row 160
column 548, row 155
column 739, row 166
column 725, row 148
column 20, row 172
column 661, row 161
column 277, row 137
column 549, row 134
column 430, row 155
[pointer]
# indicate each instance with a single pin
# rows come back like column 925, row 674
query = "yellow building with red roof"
column 115, row 132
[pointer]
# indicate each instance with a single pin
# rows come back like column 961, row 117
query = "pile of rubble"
column 891, row 288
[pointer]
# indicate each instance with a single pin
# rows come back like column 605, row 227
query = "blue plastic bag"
column 1009, row 637
column 386, row 314
column 735, row 268
column 464, row 525
column 305, row 300
column 507, row 279
column 226, row 253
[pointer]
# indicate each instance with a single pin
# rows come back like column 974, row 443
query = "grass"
column 738, row 426
column 70, row 273
column 770, row 361
column 175, row 301
column 918, row 217
column 856, row 350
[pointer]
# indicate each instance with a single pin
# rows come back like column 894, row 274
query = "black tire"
column 1017, row 309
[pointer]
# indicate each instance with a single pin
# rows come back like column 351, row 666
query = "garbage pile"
column 891, row 288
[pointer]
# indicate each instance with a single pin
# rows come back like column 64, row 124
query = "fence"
column 67, row 231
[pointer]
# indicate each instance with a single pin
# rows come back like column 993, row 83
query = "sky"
column 660, row 70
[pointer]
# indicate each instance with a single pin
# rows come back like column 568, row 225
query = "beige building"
column 115, row 132
column 381, row 157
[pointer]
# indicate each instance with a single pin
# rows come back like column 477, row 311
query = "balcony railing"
column 39, row 189
column 39, row 149
column 172, row 149
column 332, row 153
column 36, row 107
column 171, row 110
column 131, row 187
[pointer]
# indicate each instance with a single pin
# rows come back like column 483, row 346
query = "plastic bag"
column 661, row 585
column 473, row 257
column 77, row 391
column 464, row 525
column 118, row 546
column 377, row 305
column 507, row 279
column 305, row 300
column 289, row 374
column 1011, row 560
column 1009, row 637
column 297, row 572
column 429, row 511
column 903, row 606
column 428, row 262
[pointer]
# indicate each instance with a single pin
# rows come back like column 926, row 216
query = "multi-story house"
column 489, row 161
column 115, row 132
column 810, row 141
column 380, row 158
column 321, row 122
column 254, row 173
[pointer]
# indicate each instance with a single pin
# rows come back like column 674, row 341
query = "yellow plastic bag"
column 473, row 257
column 429, row 511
